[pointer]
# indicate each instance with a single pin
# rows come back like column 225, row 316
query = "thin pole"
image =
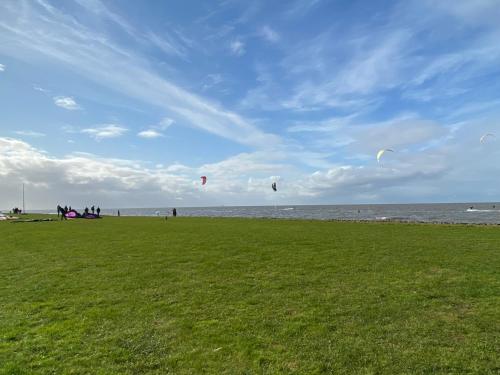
column 24, row 209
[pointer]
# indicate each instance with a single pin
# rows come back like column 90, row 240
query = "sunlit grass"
column 240, row 296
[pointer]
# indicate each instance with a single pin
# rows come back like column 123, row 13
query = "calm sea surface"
column 486, row 213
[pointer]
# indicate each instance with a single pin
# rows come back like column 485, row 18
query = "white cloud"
column 66, row 102
column 76, row 178
column 150, row 133
column 29, row 133
column 105, row 131
column 157, row 130
column 439, row 174
column 237, row 48
column 269, row 34
column 2, row 67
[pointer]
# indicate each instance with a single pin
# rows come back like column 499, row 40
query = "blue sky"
column 129, row 103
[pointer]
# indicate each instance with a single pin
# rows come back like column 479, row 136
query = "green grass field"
column 242, row 296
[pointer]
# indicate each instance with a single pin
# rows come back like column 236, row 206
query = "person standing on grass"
column 92, row 209
column 98, row 211
column 174, row 212
column 59, row 209
column 118, row 212
column 63, row 214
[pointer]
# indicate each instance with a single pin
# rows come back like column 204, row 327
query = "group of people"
column 17, row 211
column 65, row 212
column 93, row 210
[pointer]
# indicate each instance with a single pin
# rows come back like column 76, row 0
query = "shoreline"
column 336, row 220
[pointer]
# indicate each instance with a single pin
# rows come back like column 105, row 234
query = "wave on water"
column 476, row 210
column 287, row 209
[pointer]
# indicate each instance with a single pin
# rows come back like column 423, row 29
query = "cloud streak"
column 30, row 133
column 56, row 36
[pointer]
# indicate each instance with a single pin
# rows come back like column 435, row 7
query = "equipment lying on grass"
column 73, row 214
column 31, row 220
column 6, row 217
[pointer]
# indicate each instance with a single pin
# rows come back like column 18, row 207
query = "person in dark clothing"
column 66, row 208
column 59, row 209
column 174, row 212
column 118, row 212
column 98, row 211
column 86, row 211
column 92, row 209
column 63, row 214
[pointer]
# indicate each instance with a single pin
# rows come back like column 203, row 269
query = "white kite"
column 382, row 152
column 483, row 138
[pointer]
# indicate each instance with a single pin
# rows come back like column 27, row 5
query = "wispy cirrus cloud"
column 300, row 7
column 2, row 67
column 167, row 44
column 100, row 9
column 66, row 102
column 388, row 56
column 105, row 131
column 96, row 57
column 29, row 133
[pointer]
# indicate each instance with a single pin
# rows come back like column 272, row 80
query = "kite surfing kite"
column 483, row 138
column 203, row 180
column 381, row 152
column 273, row 185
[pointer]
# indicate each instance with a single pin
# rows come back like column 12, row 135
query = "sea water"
column 480, row 213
